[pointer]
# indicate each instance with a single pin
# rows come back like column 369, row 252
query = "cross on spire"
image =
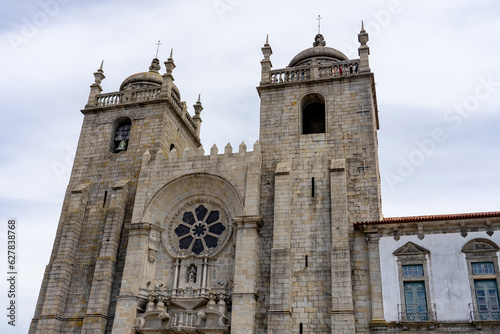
column 319, row 23
column 157, row 48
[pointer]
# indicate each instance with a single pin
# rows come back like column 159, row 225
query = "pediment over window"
column 480, row 246
column 411, row 249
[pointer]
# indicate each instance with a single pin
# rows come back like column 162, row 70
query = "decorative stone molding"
column 199, row 227
column 167, row 314
column 410, row 249
column 154, row 242
column 480, row 246
column 373, row 238
column 420, row 234
column 489, row 229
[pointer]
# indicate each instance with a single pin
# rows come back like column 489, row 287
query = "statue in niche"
column 192, row 274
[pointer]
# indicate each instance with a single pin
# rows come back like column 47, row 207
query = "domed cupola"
column 144, row 79
column 320, row 52
column 148, row 79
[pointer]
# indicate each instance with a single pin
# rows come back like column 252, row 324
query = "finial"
column 362, row 26
column 169, row 64
column 157, row 48
column 198, row 107
column 319, row 40
column 99, row 74
column 267, row 39
column 155, row 65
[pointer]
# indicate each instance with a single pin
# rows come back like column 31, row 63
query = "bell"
column 122, row 146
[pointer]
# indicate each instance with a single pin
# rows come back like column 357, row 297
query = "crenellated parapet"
column 160, row 168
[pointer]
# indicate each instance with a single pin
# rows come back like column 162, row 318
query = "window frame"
column 410, row 255
column 481, row 251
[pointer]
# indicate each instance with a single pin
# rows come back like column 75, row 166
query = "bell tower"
column 83, row 277
column 320, row 174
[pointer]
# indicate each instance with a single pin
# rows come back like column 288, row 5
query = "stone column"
column 62, row 267
column 342, row 301
column 375, row 278
column 280, row 312
column 133, row 276
column 100, row 294
column 246, row 273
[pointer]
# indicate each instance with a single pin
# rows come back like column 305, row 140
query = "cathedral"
column 159, row 235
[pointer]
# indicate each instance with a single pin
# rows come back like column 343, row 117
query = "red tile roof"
column 413, row 219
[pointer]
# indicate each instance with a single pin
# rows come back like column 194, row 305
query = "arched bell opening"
column 121, row 134
column 313, row 114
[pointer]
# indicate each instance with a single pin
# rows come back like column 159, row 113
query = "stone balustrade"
column 136, row 95
column 109, row 99
column 315, row 71
column 142, row 95
column 184, row 318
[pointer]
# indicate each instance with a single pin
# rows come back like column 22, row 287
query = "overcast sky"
column 436, row 65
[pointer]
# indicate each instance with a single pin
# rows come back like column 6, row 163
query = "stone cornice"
column 421, row 225
column 248, row 222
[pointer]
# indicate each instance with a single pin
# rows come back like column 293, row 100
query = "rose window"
column 199, row 230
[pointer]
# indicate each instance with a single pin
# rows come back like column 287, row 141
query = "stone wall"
column 153, row 126
column 350, row 136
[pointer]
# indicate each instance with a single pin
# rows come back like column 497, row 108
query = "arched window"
column 121, row 134
column 313, row 114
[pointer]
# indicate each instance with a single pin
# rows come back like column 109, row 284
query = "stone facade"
column 156, row 236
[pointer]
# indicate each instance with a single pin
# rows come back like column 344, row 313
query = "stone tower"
column 155, row 236
column 318, row 124
column 83, row 276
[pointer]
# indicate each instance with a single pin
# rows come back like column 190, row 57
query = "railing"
column 176, row 101
column 184, row 319
column 147, row 94
column 137, row 95
column 109, row 99
column 429, row 314
column 339, row 70
column 290, row 75
column 318, row 71
column 143, row 95
column 483, row 315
